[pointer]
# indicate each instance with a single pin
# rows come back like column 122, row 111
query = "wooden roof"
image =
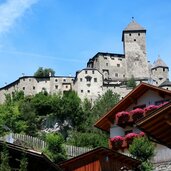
column 36, row 160
column 96, row 154
column 105, row 121
column 157, row 125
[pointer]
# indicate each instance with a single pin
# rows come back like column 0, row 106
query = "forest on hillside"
column 45, row 116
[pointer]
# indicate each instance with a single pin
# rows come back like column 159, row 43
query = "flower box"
column 137, row 114
column 122, row 117
column 151, row 107
column 117, row 142
column 129, row 137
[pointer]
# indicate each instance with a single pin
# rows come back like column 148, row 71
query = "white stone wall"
column 89, row 84
column 33, row 85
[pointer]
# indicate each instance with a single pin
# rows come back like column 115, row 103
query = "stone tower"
column 159, row 71
column 134, row 42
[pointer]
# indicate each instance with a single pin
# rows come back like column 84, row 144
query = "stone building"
column 104, row 71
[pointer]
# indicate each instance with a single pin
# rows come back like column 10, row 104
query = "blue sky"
column 64, row 34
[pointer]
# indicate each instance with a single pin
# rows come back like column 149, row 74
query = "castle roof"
column 134, row 26
column 165, row 83
column 159, row 63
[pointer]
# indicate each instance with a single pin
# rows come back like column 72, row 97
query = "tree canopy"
column 44, row 72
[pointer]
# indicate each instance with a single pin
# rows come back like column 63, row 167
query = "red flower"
column 131, row 136
column 122, row 117
column 151, row 107
column 137, row 114
column 116, row 138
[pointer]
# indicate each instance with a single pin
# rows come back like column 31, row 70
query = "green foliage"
column 131, row 82
column 55, row 149
column 143, row 149
column 23, row 163
column 88, row 139
column 5, row 159
column 44, row 72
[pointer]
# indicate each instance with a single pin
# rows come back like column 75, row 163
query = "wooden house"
column 100, row 159
column 36, row 161
column 120, row 120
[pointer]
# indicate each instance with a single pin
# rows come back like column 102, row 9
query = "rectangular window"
column 107, row 64
column 116, row 74
column 85, row 72
column 88, row 91
column 64, row 80
column 56, row 80
column 56, row 86
column 33, row 87
column 92, row 72
column 118, row 65
column 81, row 91
column 81, row 79
column 23, row 88
column 95, row 79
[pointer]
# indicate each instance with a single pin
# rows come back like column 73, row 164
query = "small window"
column 81, row 79
column 134, row 40
column 95, row 79
column 66, row 86
column 120, row 59
column 163, row 69
column 88, row 79
column 129, row 34
column 105, row 57
column 116, row 74
column 64, row 80
column 56, row 86
column 123, row 75
column 81, row 91
column 138, row 34
column 118, row 65
column 23, row 88
column 107, row 64
column 113, row 58
column 23, row 79
column 33, row 87
column 92, row 72
column 29, row 79
column 88, row 91
column 85, row 72
column 56, row 80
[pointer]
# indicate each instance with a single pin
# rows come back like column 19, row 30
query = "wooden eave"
column 97, row 153
column 157, row 125
column 131, row 98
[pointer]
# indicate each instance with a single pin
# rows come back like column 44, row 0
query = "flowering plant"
column 122, row 117
column 163, row 104
column 141, row 134
column 137, row 114
column 130, row 136
column 151, row 107
column 116, row 141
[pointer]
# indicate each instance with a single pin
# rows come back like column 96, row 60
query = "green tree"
column 131, row 82
column 143, row 149
column 88, row 135
column 5, row 159
column 41, row 72
column 55, row 150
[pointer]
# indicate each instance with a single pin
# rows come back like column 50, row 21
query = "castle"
column 104, row 71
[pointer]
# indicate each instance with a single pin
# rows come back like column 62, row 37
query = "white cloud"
column 12, row 10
